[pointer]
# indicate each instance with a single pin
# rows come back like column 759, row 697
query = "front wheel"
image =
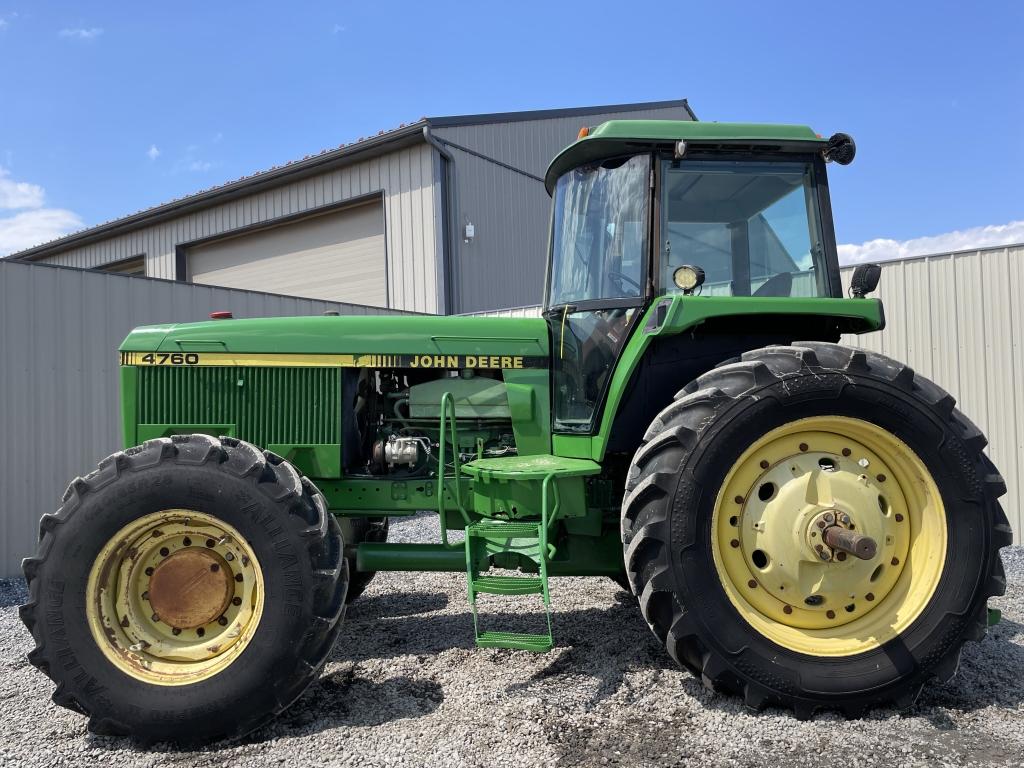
column 187, row 590
column 814, row 527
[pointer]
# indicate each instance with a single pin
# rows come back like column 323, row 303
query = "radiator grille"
column 267, row 405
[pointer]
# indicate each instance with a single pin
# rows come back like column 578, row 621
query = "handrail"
column 448, row 406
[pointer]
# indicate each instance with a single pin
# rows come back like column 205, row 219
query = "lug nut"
column 899, row 518
column 894, row 561
column 738, row 499
column 787, row 609
column 869, row 596
column 214, row 567
column 236, row 601
column 840, row 556
column 847, row 451
column 752, row 584
column 175, row 631
column 155, row 617
column 803, row 446
column 164, row 551
column 222, row 621
column 880, row 478
column 830, row 613
column 734, row 543
column 210, row 543
column 187, row 541
column 764, row 464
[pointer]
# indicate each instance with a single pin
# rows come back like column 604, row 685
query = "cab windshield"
column 753, row 227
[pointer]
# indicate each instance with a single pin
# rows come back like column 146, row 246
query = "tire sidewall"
column 949, row 611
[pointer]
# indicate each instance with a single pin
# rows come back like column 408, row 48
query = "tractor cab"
column 648, row 209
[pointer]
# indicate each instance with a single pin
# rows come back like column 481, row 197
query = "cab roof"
column 623, row 136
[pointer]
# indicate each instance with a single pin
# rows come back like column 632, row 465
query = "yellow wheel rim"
column 174, row 597
column 768, row 523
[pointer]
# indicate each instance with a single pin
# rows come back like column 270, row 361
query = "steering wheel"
column 619, row 279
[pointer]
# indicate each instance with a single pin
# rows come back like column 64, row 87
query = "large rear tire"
column 737, row 480
column 187, row 590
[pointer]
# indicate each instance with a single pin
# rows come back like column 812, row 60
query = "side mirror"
column 865, row 280
column 840, row 149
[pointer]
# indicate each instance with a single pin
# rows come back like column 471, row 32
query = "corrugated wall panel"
column 504, row 264
column 957, row 319
column 59, row 413
column 412, row 222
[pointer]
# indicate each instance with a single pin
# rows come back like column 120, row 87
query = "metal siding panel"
column 59, row 331
column 957, row 319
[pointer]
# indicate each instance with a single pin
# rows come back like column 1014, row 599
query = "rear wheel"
column 814, row 527
column 187, row 590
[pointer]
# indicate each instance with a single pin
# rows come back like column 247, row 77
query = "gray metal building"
column 382, row 221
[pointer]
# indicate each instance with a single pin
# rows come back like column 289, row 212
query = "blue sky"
column 110, row 107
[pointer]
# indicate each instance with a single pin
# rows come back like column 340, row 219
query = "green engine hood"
column 360, row 335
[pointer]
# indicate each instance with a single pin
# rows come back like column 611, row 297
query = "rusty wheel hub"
column 191, row 588
column 175, row 596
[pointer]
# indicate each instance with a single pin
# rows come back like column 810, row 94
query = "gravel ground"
column 406, row 687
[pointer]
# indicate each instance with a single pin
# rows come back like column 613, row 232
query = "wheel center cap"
column 191, row 588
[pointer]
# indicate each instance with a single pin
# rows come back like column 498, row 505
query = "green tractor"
column 804, row 525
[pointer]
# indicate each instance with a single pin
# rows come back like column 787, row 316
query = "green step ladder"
column 488, row 538
column 493, row 538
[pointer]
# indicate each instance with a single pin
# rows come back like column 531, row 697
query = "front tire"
column 721, row 515
column 187, row 590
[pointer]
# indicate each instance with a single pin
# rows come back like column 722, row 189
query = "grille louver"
column 267, row 405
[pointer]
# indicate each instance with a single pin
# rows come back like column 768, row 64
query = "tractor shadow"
column 599, row 644
column 991, row 674
column 608, row 643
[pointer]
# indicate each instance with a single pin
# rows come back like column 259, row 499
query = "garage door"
column 336, row 256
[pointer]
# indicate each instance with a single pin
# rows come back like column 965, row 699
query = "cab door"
column 597, row 281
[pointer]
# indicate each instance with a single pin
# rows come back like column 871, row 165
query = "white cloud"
column 3, row 23
column 152, row 153
column 199, row 166
column 885, row 249
column 28, row 228
column 337, row 29
column 19, row 194
column 82, row 33
column 33, row 223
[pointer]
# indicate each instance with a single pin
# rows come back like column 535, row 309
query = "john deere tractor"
column 804, row 525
